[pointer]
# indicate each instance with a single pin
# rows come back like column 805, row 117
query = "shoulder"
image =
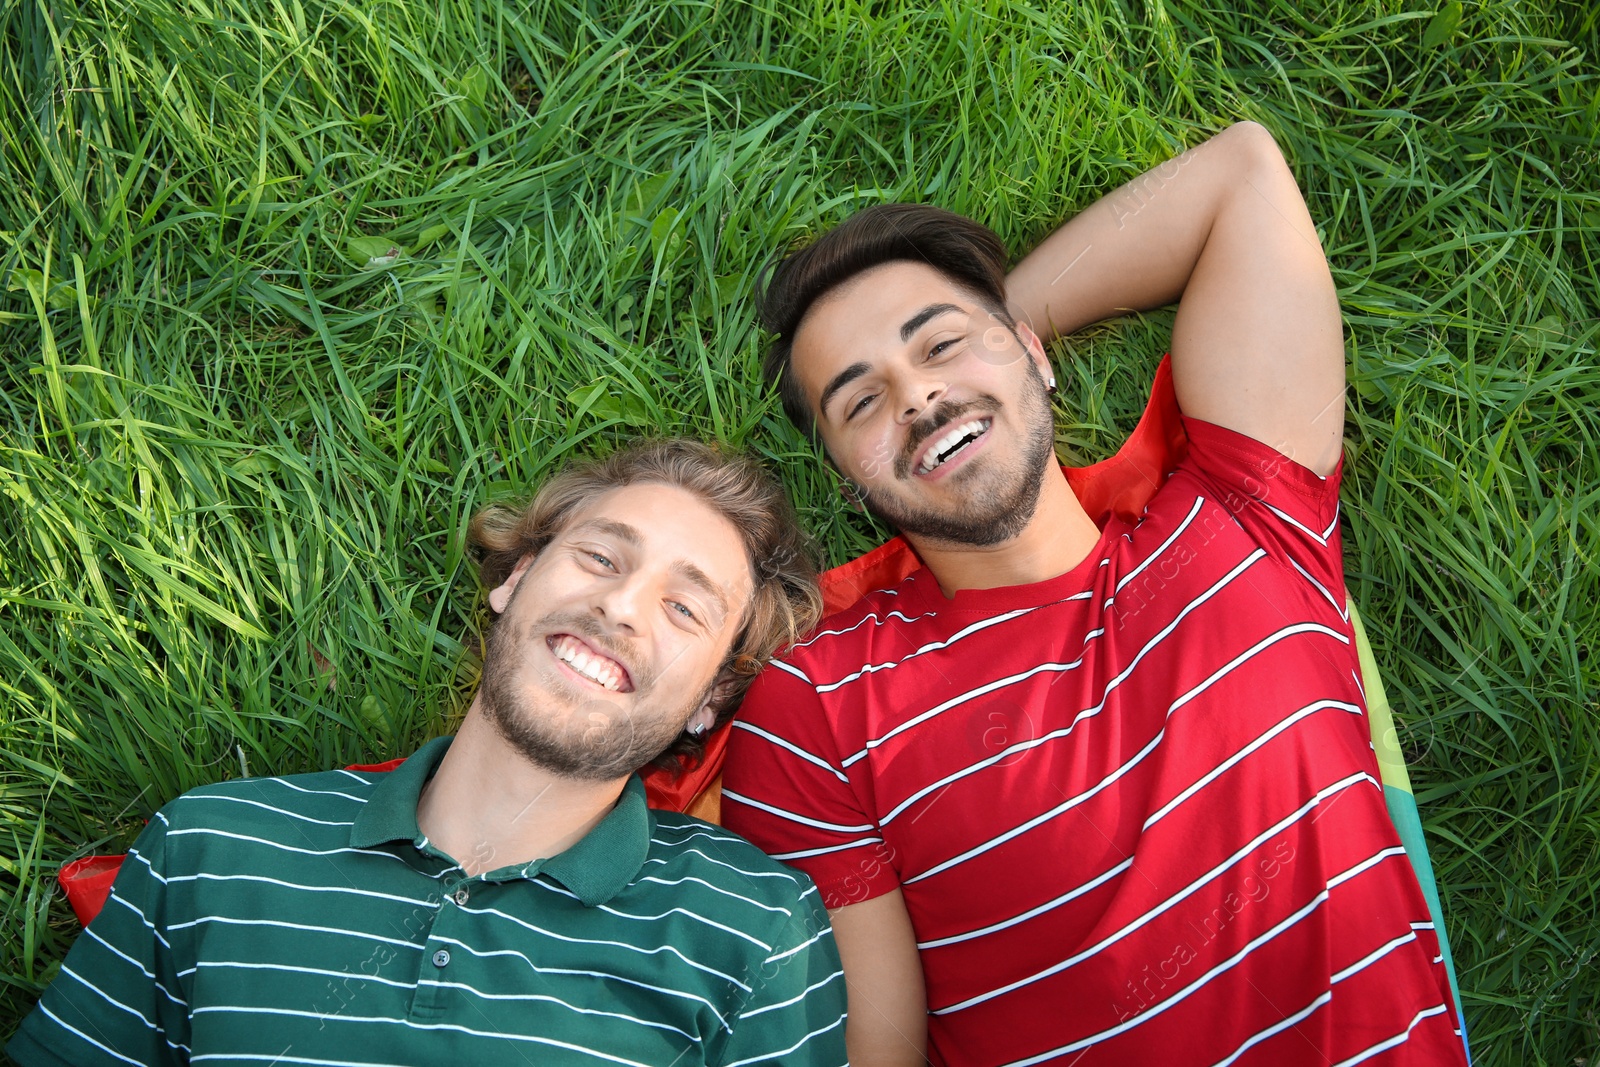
column 692, row 848
column 1256, row 472
column 306, row 801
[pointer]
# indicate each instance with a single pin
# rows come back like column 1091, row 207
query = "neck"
column 1058, row 538
column 487, row 806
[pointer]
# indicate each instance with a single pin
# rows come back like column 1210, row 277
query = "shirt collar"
column 595, row 869
column 608, row 857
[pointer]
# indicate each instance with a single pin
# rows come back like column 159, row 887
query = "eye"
column 682, row 609
column 602, row 560
column 938, row 349
column 859, row 406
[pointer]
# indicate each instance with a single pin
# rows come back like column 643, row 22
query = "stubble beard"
column 1001, row 506
column 593, row 740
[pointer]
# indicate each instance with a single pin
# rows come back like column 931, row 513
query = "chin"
column 986, row 514
column 576, row 735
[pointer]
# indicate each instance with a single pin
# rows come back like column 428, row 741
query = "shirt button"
column 441, row 958
column 460, row 896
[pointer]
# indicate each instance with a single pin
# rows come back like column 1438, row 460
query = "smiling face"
column 929, row 402
column 611, row 639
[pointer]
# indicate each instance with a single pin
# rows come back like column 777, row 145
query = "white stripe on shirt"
column 1156, row 640
column 1398, row 1039
column 932, row 646
column 871, row 616
column 740, row 724
column 1321, row 539
column 792, row 817
column 1172, row 901
column 1071, row 894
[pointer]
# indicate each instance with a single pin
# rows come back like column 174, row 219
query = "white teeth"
column 595, row 668
column 935, row 454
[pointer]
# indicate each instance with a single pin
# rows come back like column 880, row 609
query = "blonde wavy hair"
column 786, row 601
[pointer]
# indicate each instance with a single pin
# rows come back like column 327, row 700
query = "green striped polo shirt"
column 306, row 920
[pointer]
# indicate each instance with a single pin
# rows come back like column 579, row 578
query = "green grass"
column 239, row 442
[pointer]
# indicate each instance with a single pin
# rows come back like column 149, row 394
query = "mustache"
column 945, row 411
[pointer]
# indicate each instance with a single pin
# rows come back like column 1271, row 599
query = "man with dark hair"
column 1083, row 794
column 503, row 896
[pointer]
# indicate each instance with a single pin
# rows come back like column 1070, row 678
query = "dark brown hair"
column 785, row 603
column 967, row 253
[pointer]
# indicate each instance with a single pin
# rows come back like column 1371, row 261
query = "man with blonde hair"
column 505, row 894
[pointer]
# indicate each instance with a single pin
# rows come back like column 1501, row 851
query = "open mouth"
column 590, row 664
column 951, row 444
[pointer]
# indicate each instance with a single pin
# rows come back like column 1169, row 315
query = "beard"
column 592, row 739
column 1000, row 506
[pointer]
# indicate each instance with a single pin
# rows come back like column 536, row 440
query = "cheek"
column 871, row 456
column 682, row 664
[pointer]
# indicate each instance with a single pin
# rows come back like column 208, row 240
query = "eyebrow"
column 682, row 568
column 840, row 380
column 620, row 530
column 920, row 319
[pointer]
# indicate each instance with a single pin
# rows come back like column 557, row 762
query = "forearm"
column 1136, row 247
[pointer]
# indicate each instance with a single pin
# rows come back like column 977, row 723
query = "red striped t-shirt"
column 1134, row 810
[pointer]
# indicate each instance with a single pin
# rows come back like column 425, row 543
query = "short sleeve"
column 795, row 1012
column 784, row 790
column 1286, row 508
column 117, row 998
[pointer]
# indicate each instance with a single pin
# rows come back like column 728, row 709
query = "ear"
column 1035, row 347
column 500, row 595
column 705, row 716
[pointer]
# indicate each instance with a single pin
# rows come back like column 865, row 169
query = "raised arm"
column 1258, row 345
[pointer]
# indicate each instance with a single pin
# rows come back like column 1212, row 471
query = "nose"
column 915, row 393
column 620, row 603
